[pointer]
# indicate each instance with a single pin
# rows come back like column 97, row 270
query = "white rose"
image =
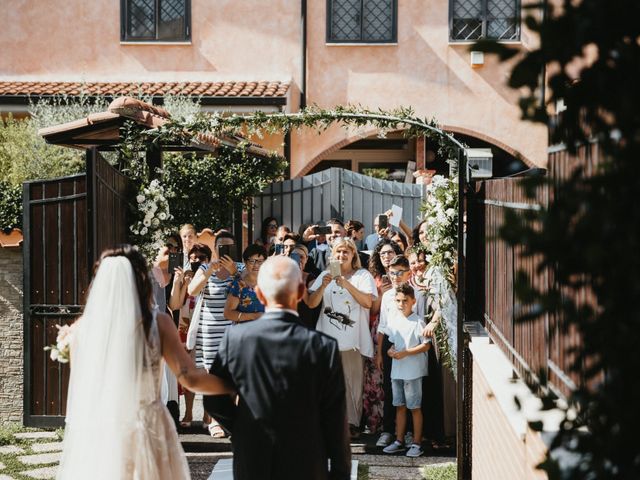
column 153, row 208
column 140, row 198
column 146, row 223
column 162, row 216
column 155, row 222
column 144, row 231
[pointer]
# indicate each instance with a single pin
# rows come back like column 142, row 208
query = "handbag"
column 192, row 334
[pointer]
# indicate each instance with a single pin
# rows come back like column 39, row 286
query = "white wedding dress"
column 116, row 425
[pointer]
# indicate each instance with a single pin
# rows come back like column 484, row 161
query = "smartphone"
column 385, row 279
column 278, row 248
column 227, row 250
column 334, row 268
column 383, row 222
column 175, row 261
column 322, row 230
column 295, row 257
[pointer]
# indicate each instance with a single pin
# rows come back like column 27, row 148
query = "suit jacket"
column 291, row 414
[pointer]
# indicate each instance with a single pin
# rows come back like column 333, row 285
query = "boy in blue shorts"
column 409, row 365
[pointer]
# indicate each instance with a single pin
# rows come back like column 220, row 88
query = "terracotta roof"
column 105, row 127
column 205, row 89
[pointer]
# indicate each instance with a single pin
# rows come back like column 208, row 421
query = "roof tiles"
column 205, row 89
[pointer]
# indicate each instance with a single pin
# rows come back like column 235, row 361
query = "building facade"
column 279, row 55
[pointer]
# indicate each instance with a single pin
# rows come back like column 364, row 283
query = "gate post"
column 464, row 472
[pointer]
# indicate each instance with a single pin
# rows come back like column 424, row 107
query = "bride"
column 116, row 425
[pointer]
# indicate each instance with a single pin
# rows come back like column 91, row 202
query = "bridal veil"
column 108, row 384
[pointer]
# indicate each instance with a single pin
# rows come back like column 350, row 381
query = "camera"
column 324, row 230
column 383, row 222
column 227, row 251
column 175, row 261
column 295, row 257
column 340, row 318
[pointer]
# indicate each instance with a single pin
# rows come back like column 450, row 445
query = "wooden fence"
column 538, row 345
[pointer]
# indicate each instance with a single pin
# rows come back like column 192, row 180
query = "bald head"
column 280, row 282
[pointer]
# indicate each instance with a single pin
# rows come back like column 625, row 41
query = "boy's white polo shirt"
column 406, row 332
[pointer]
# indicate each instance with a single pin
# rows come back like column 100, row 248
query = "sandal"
column 216, row 431
column 185, row 424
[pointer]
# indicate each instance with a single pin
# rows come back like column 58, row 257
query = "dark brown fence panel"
column 54, row 230
column 67, row 223
column 109, row 204
column 541, row 344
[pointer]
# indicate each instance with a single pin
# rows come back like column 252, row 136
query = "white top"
column 387, row 307
column 355, row 337
column 406, row 332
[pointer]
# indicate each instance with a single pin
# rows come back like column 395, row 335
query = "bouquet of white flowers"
column 61, row 350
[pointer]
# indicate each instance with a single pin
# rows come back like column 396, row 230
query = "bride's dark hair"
column 141, row 274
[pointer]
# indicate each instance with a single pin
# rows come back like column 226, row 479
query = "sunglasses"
column 397, row 273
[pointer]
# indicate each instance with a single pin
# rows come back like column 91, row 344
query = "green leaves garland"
column 234, row 175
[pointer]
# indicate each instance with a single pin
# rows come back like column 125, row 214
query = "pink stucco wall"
column 76, row 40
column 423, row 71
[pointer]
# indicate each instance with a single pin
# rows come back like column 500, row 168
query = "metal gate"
column 335, row 193
column 67, row 222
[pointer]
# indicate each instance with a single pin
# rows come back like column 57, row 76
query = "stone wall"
column 11, row 347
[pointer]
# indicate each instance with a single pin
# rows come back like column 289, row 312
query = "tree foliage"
column 590, row 234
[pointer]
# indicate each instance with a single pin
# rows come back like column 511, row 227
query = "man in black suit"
column 290, row 419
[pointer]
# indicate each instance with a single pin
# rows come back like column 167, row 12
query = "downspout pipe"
column 303, row 80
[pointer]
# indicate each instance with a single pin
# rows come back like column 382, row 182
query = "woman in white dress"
column 116, row 424
column 350, row 294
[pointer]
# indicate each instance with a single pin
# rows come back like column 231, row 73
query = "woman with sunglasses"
column 386, row 250
column 267, row 232
column 242, row 302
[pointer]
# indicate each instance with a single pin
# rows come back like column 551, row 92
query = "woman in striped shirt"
column 212, row 281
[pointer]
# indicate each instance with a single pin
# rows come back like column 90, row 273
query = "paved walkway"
column 38, row 454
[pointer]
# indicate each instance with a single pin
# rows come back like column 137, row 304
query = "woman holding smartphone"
column 347, row 292
column 242, row 302
column 185, row 304
column 208, row 323
column 386, row 250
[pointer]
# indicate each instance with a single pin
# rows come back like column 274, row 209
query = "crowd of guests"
column 370, row 293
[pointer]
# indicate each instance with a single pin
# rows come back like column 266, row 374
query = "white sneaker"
column 384, row 440
column 395, row 447
column 408, row 438
column 415, row 451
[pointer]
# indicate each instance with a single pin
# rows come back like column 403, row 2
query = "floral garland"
column 440, row 211
column 149, row 231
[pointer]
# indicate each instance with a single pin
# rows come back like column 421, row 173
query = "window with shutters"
column 362, row 21
column 493, row 19
column 155, row 20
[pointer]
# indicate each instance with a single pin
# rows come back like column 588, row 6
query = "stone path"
column 39, row 456
column 40, row 453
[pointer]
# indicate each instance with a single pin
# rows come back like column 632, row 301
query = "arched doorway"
column 396, row 158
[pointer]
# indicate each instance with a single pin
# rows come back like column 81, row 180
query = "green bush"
column 205, row 189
